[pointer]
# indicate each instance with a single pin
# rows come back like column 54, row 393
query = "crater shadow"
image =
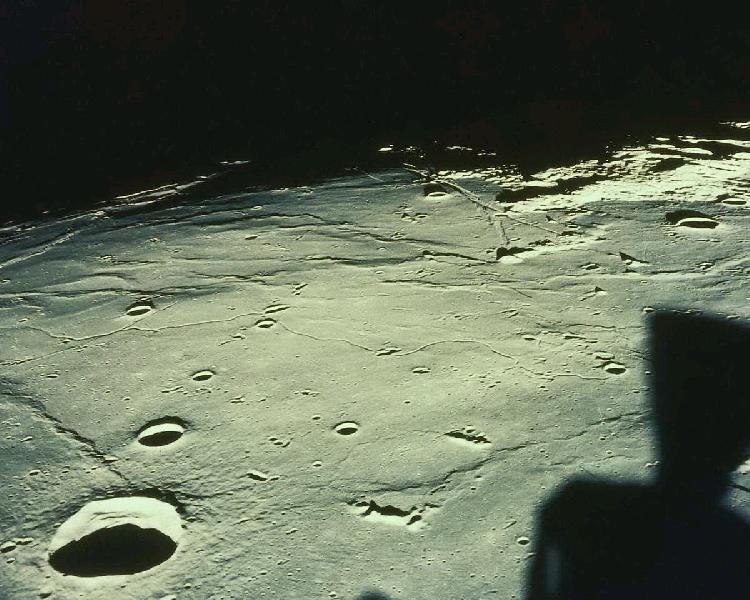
column 121, row 550
column 373, row 595
column 673, row 537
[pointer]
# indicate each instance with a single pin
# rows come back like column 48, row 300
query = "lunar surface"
column 360, row 388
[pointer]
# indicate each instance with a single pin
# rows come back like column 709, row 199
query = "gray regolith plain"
column 365, row 385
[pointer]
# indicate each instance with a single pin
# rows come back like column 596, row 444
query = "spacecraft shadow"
column 672, row 537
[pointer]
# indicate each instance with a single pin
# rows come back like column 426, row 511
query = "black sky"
column 103, row 96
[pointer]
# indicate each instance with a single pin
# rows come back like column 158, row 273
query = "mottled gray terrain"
column 366, row 384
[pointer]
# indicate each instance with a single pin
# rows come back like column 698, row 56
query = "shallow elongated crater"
column 692, row 219
column 265, row 323
column 161, row 432
column 469, row 436
column 203, row 375
column 434, row 190
column 139, row 308
column 388, row 514
column 698, row 223
column 274, row 308
column 117, row 536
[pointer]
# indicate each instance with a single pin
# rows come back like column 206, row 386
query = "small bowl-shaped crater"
column 265, row 323
column 203, row 375
column 118, row 536
column 434, row 190
column 139, row 308
column 522, row 540
column 346, row 428
column 161, row 432
column 615, row 368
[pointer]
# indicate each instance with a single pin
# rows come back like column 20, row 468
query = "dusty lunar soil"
column 368, row 384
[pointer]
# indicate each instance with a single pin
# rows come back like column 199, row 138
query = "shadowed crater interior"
column 434, row 189
column 161, row 432
column 347, row 428
column 116, row 536
column 120, row 550
column 691, row 218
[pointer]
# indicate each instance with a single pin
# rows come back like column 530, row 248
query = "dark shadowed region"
column 373, row 595
column 121, row 550
column 674, row 538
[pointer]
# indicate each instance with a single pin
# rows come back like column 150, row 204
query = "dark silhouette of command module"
column 673, row 538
